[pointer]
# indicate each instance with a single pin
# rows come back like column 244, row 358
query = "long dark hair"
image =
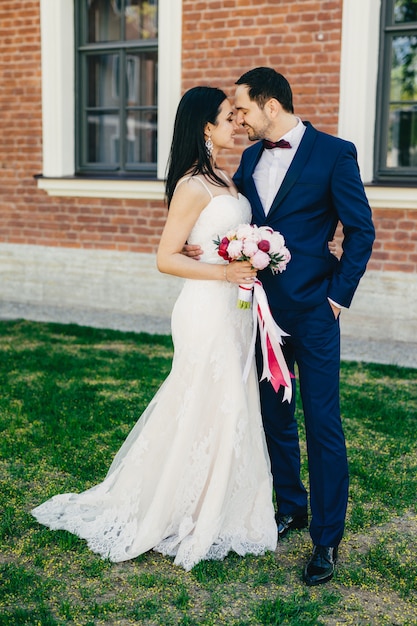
column 188, row 153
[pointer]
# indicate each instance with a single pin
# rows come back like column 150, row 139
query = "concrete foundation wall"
column 384, row 308
column 85, row 286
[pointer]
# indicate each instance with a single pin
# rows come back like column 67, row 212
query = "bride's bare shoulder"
column 196, row 186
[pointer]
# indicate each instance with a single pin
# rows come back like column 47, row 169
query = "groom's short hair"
column 264, row 83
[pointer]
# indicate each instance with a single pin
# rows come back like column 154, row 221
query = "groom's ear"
column 272, row 107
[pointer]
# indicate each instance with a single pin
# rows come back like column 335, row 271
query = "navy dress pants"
column 314, row 344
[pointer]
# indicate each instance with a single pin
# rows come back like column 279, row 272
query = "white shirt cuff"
column 339, row 306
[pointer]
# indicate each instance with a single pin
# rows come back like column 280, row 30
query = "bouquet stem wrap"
column 245, row 297
column 275, row 368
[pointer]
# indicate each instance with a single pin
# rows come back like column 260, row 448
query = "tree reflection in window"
column 396, row 132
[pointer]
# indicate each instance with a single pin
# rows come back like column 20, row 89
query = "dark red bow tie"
column 268, row 145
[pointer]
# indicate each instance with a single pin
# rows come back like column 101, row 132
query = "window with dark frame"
column 116, row 87
column 396, row 121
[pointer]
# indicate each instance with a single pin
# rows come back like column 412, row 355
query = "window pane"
column 141, row 19
column 141, row 99
column 402, row 122
column 404, row 68
column 141, row 137
column 402, row 137
column 104, row 20
column 141, row 78
column 103, row 138
column 103, row 80
column 405, row 11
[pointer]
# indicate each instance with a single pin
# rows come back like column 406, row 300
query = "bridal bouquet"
column 260, row 245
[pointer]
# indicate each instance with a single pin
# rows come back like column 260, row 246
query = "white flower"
column 277, row 243
column 234, row 249
column 246, row 231
column 231, row 234
column 265, row 232
column 282, row 265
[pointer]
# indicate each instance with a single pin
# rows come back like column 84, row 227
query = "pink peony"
column 286, row 254
column 260, row 260
column 249, row 247
column 282, row 265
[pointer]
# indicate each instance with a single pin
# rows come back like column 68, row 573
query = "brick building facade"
column 92, row 247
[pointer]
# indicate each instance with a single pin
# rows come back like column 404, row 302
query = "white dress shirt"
column 273, row 165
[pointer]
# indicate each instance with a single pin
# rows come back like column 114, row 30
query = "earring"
column 209, row 147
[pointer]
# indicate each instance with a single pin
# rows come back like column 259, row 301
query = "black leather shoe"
column 285, row 523
column 320, row 567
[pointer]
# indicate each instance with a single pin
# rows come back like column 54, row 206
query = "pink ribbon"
column 275, row 368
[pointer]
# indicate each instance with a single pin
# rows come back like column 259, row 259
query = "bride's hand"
column 192, row 251
column 335, row 248
column 240, row 272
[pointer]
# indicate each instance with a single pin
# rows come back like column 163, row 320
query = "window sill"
column 381, row 197
column 103, row 188
column 378, row 196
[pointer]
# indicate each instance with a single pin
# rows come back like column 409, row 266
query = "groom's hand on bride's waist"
column 192, row 251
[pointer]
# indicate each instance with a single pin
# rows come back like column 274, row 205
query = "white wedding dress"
column 192, row 480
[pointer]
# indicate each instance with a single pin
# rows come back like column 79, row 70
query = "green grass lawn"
column 70, row 395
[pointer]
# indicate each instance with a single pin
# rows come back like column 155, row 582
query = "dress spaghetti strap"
column 199, row 180
column 226, row 178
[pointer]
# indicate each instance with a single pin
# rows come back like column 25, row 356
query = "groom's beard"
column 256, row 134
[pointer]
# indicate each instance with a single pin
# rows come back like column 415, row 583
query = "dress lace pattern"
column 192, row 480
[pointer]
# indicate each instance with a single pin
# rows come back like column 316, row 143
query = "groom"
column 302, row 186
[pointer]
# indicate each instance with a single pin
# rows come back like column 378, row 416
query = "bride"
column 192, row 480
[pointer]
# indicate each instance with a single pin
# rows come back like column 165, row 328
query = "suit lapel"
column 297, row 165
column 252, row 192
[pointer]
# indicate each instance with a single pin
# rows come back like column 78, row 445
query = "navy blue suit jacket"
column 321, row 187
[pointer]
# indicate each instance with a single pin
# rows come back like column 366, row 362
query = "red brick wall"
column 300, row 39
column 221, row 40
column 395, row 248
column 27, row 214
